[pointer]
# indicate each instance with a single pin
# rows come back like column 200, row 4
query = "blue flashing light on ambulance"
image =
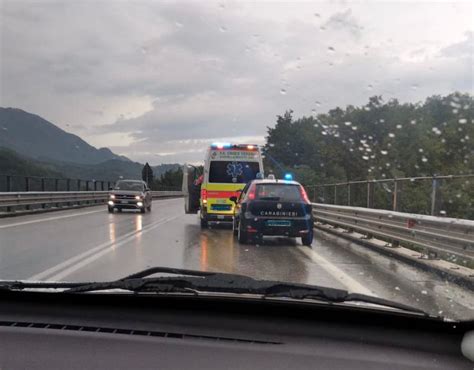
column 227, row 169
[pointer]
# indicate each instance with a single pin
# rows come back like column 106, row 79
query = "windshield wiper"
column 193, row 281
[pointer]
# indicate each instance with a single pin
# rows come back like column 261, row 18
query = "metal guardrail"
column 435, row 235
column 392, row 193
column 11, row 202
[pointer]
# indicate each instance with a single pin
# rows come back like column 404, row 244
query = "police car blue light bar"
column 221, row 145
column 288, row 176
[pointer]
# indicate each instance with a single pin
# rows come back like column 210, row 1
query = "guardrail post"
column 9, row 183
column 42, row 185
column 27, row 188
column 78, row 185
column 102, row 185
column 68, row 184
column 87, row 185
column 56, row 184
column 314, row 194
column 335, row 194
column 348, row 194
column 434, row 191
column 396, row 201
column 370, row 194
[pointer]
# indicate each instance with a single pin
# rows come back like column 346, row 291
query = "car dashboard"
column 121, row 331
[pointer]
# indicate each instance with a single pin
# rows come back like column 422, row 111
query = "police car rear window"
column 233, row 172
column 280, row 192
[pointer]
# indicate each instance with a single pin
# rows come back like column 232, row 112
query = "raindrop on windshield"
column 331, row 49
column 462, row 121
column 324, row 133
column 436, row 130
column 317, row 15
column 424, row 292
column 283, row 92
column 223, row 29
column 354, row 128
column 420, row 150
column 365, row 157
column 399, row 127
column 178, row 24
column 413, row 121
column 397, row 288
column 347, row 123
column 383, row 152
column 391, row 134
column 424, row 159
column 370, row 86
column 313, row 111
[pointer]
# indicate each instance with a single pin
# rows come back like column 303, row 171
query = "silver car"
column 130, row 194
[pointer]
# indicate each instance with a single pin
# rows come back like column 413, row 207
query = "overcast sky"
column 158, row 81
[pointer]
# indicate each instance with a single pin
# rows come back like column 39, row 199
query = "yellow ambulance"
column 227, row 169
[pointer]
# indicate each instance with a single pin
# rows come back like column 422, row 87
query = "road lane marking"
column 347, row 281
column 75, row 263
column 49, row 219
column 68, row 215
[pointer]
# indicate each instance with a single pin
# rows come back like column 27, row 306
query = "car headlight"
column 138, row 197
column 139, row 204
column 112, row 196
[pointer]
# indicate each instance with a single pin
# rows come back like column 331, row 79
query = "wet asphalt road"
column 91, row 244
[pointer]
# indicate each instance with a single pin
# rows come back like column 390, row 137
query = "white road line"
column 75, row 263
column 347, row 281
column 49, row 219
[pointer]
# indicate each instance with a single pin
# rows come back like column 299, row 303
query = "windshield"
column 279, row 192
column 233, row 171
column 129, row 185
column 369, row 105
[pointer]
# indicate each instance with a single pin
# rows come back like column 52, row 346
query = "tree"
column 147, row 174
column 170, row 180
column 382, row 139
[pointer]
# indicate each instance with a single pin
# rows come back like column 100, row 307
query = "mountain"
column 32, row 146
column 34, row 137
column 13, row 164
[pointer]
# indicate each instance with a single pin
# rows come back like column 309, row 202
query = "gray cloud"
column 162, row 80
column 344, row 21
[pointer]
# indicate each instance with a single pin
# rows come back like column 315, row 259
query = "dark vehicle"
column 130, row 194
column 273, row 207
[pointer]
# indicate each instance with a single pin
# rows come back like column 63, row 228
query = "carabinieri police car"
column 273, row 207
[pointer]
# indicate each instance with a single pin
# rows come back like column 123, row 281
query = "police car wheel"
column 242, row 235
column 204, row 223
column 307, row 239
column 111, row 209
column 143, row 210
column 235, row 227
